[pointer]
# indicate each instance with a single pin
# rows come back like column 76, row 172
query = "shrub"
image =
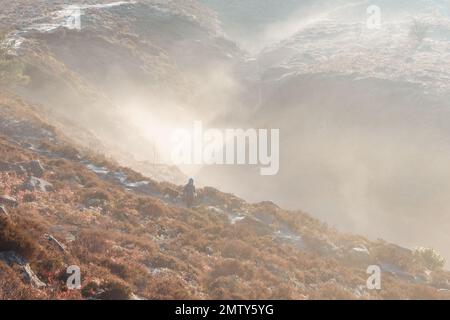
column 428, row 258
column 13, row 239
column 49, row 267
column 11, row 286
column 419, row 30
column 91, row 241
column 11, row 69
column 115, row 290
column 231, row 267
column 393, row 254
column 225, row 288
column 167, row 288
column 95, row 194
column 164, row 261
column 111, row 289
column 29, row 197
column 331, row 291
column 150, row 207
column 237, row 249
column 119, row 269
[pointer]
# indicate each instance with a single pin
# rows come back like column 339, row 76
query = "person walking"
column 189, row 193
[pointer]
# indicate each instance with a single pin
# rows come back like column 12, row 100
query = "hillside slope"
column 133, row 239
column 151, row 57
column 83, row 114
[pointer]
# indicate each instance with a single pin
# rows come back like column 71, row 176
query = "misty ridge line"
column 69, row 17
column 227, row 147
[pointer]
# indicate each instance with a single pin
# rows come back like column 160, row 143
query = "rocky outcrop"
column 52, row 239
column 3, row 211
column 8, row 201
column 32, row 278
column 12, row 167
column 37, row 184
column 11, row 258
column 33, row 168
column 4, row 166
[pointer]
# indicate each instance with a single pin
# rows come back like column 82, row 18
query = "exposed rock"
column 209, row 250
column 35, row 168
column 95, row 203
column 135, row 297
column 3, row 211
column 137, row 186
column 424, row 277
column 52, row 239
column 19, row 170
column 420, row 278
column 101, row 171
column 32, row 278
column 359, row 254
column 397, row 271
column 29, row 276
column 235, row 218
column 70, row 237
column 26, row 145
column 12, row 167
column 37, row 184
column 32, row 167
column 8, row 201
column 216, row 210
column 287, row 235
column 10, row 258
column 144, row 187
column 5, row 166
